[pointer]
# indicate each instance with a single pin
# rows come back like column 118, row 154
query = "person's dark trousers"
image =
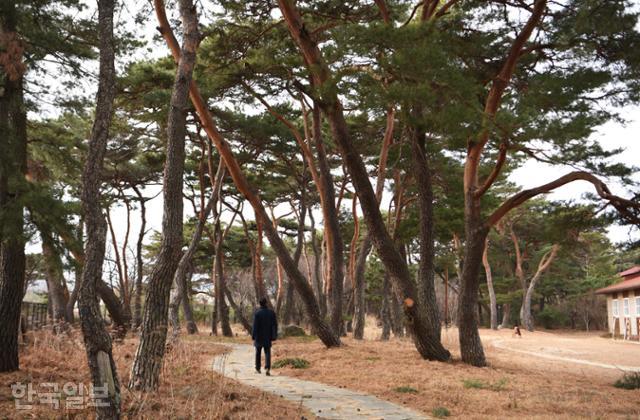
column 267, row 357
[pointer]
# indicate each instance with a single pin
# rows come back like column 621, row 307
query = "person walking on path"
column 264, row 331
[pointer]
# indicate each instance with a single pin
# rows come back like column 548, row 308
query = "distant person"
column 264, row 331
column 516, row 331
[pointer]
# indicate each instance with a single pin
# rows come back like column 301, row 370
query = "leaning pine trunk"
column 365, row 247
column 145, row 372
column 238, row 311
column 96, row 338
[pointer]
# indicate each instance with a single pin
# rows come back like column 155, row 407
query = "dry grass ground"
column 189, row 389
column 514, row 385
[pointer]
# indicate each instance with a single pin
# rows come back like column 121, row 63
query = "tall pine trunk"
column 54, row 277
column 359, row 302
column 331, row 227
column 317, row 275
column 96, row 338
column 475, row 235
column 222, row 310
column 426, row 280
column 182, row 294
column 297, row 254
column 13, row 149
column 145, row 372
column 385, row 310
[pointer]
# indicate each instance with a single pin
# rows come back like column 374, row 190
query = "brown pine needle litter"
column 514, row 385
column 188, row 390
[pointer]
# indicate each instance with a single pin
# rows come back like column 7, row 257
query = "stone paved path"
column 324, row 401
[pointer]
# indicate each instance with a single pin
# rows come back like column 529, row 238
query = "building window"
column 625, row 307
column 615, row 308
column 638, row 306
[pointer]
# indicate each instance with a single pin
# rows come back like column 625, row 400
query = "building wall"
column 633, row 315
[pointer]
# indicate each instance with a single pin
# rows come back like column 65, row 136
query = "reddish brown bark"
column 426, row 340
column 304, row 290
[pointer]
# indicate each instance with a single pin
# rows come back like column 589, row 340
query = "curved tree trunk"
column 238, row 311
column 303, row 288
column 525, row 311
column 145, row 372
column 13, row 149
column 416, row 320
column 492, row 294
column 96, row 338
column 137, row 299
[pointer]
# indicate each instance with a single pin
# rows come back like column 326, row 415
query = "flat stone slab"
column 325, row 401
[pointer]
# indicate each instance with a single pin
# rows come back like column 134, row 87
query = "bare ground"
column 514, row 384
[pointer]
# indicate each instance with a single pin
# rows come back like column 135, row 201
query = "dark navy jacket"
column 265, row 327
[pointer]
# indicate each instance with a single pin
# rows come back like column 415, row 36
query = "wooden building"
column 623, row 305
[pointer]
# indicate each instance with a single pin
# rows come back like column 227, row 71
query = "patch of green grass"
column 478, row 384
column 294, row 362
column 306, row 338
column 372, row 358
column 474, row 383
column 499, row 385
column 406, row 390
column 440, row 412
column 628, row 381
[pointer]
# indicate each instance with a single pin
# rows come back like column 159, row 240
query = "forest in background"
column 340, row 158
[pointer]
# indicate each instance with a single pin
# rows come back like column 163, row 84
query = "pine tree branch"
column 628, row 209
